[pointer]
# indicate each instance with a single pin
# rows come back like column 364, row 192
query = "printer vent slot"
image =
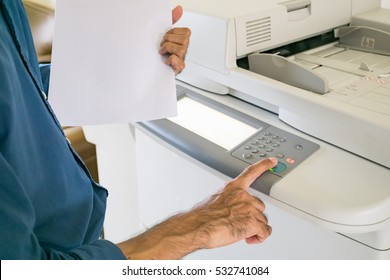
column 258, row 31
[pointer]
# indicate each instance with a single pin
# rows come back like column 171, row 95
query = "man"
column 50, row 208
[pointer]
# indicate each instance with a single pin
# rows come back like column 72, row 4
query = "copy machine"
column 305, row 81
column 274, row 54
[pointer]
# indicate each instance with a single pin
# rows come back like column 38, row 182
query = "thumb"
column 177, row 12
column 252, row 172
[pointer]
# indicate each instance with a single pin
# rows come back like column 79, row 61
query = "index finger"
column 252, row 172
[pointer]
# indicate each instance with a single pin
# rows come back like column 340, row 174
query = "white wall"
column 386, row 4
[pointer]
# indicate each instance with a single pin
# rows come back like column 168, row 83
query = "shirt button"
column 44, row 94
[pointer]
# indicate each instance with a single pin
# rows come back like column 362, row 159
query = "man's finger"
column 250, row 174
column 256, row 239
column 176, row 63
column 177, row 12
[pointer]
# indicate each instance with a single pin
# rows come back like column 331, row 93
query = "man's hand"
column 175, row 43
column 234, row 214
column 227, row 217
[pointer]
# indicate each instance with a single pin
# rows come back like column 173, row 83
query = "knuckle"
column 187, row 31
column 165, row 38
column 232, row 184
column 163, row 48
column 260, row 203
column 241, row 195
column 181, row 52
column 251, row 169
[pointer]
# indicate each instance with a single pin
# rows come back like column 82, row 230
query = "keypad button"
column 298, row 147
column 273, row 142
column 290, row 160
column 247, row 156
column 279, row 168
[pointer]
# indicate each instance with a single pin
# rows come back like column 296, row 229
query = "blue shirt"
column 50, row 208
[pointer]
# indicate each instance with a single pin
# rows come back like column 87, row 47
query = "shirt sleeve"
column 17, row 220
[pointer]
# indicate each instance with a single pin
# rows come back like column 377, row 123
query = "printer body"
column 318, row 69
column 283, row 56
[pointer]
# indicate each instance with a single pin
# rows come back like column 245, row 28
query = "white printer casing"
column 224, row 31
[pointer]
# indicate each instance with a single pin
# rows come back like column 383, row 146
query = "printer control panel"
column 203, row 140
column 289, row 149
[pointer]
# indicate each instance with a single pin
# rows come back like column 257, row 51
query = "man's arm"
column 225, row 218
column 18, row 223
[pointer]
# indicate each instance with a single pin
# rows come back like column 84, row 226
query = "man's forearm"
column 171, row 239
column 226, row 217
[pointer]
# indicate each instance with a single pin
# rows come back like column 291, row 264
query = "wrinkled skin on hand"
column 225, row 218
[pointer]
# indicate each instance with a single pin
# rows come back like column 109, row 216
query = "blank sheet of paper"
column 106, row 67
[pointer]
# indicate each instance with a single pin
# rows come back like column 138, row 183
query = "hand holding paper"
column 175, row 43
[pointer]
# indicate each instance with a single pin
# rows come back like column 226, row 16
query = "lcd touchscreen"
column 211, row 124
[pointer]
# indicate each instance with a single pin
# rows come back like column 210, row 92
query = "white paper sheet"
column 106, row 67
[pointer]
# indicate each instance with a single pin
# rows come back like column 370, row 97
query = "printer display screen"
column 211, row 124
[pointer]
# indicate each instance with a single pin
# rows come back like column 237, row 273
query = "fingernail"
column 274, row 160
